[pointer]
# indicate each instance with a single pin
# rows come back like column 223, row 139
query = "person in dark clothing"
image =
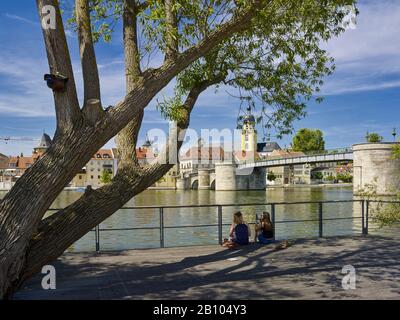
column 239, row 232
column 265, row 230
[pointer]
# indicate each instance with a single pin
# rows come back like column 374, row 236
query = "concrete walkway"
column 310, row 269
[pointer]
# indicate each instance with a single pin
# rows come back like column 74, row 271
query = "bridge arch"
column 212, row 185
column 195, row 184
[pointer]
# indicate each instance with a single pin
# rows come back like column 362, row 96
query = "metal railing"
column 364, row 217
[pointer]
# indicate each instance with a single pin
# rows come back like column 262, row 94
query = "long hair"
column 266, row 217
column 238, row 218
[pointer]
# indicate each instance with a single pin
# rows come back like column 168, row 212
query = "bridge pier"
column 182, row 183
column 204, row 179
column 225, row 176
column 375, row 169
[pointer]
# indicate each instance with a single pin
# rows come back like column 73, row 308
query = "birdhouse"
column 56, row 82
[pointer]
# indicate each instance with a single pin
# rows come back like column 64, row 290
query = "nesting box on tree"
column 56, row 82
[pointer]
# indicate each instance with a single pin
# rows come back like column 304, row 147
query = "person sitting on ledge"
column 239, row 232
column 264, row 229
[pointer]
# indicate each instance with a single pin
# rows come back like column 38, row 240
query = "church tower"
column 44, row 144
column 249, row 133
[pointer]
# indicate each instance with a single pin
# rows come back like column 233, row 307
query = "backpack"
column 241, row 234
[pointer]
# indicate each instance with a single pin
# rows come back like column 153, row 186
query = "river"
column 149, row 238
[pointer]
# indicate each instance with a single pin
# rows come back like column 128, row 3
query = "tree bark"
column 66, row 102
column 57, row 232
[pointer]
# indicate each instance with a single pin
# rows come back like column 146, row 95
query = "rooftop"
column 267, row 146
column 45, row 141
column 204, row 153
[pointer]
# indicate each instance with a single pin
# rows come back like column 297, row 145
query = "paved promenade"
column 310, row 269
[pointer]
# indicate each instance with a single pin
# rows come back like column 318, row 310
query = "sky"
column 362, row 95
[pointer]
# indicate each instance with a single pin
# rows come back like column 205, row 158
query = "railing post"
column 97, row 238
column 161, row 227
column 273, row 219
column 320, row 220
column 363, row 216
column 220, row 224
column 366, row 217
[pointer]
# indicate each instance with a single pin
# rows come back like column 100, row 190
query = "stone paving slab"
column 310, row 269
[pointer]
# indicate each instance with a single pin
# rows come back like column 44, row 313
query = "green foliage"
column 373, row 137
column 330, row 178
column 170, row 108
column 105, row 15
column 307, row 140
column 396, row 151
column 271, row 176
column 106, row 177
column 317, row 175
column 276, row 66
column 345, row 177
column 383, row 214
column 387, row 214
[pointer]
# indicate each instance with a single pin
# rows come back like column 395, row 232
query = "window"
column 91, row 177
column 80, row 177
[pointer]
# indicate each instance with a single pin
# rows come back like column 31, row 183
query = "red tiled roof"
column 204, row 153
column 103, row 154
column 144, row 153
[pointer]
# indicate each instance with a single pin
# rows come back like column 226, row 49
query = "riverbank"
column 310, row 269
column 322, row 185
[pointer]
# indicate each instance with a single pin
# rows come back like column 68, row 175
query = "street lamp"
column 394, row 133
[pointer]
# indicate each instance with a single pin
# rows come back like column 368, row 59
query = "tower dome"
column 249, row 118
column 45, row 141
column 44, row 144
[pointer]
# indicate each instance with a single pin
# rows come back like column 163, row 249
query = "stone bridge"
column 373, row 164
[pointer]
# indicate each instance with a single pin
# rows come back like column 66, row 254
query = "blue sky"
column 363, row 94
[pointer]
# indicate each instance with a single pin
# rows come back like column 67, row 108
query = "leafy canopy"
column 276, row 67
column 373, row 137
column 307, row 140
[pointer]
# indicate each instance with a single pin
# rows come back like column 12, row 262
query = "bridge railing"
column 363, row 216
column 305, row 154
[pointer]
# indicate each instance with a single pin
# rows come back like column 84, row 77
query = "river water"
column 148, row 218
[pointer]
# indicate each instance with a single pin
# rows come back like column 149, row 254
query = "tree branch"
column 132, row 56
column 57, row 232
column 66, row 102
column 127, row 138
column 171, row 37
column 154, row 80
column 92, row 108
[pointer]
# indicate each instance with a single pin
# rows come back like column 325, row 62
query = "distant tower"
column 44, row 144
column 249, row 133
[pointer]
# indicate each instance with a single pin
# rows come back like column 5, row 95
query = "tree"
column 266, row 46
column 345, row 177
column 271, row 176
column 105, row 177
column 307, row 140
column 373, row 137
column 317, row 175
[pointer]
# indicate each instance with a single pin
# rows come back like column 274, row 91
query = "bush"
column 271, row 176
